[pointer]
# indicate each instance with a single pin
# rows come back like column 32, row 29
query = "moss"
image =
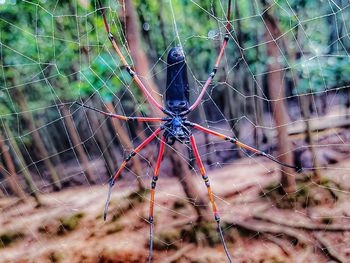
column 115, row 229
column 204, row 232
column 273, row 260
column 325, row 181
column 55, row 256
column 166, row 240
column 179, row 204
column 308, row 194
column 69, row 223
column 138, row 196
column 299, row 199
column 120, row 210
column 99, row 216
column 245, row 232
column 327, row 220
column 8, row 238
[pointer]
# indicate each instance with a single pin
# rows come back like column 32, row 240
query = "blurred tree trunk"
column 305, row 112
column 76, row 143
column 23, row 167
column 305, row 105
column 10, row 173
column 43, row 155
column 98, row 134
column 277, row 95
column 181, row 171
column 55, row 157
column 108, row 137
column 126, row 143
column 260, row 137
column 137, row 53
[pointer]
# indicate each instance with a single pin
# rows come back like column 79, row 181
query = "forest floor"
column 261, row 224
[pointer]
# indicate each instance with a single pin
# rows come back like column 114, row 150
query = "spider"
column 175, row 127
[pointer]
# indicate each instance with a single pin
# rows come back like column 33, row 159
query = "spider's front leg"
column 207, row 184
column 132, row 73
column 127, row 159
column 121, row 117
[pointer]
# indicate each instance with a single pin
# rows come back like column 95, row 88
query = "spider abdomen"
column 177, row 88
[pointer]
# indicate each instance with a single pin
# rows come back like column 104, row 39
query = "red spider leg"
column 121, row 117
column 153, row 187
column 238, row 143
column 127, row 159
column 207, row 183
column 125, row 63
column 221, row 53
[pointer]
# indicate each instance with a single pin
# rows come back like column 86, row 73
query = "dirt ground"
column 260, row 224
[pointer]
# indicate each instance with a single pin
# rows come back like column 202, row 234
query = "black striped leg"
column 217, row 62
column 207, row 183
column 240, row 144
column 125, row 63
column 153, row 188
column 130, row 156
column 121, row 117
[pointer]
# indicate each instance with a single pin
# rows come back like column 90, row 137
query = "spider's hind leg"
column 153, row 187
column 207, row 184
column 121, row 168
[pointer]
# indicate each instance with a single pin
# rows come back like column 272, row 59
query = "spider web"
column 53, row 54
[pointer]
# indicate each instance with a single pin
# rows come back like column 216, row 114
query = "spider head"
column 177, row 88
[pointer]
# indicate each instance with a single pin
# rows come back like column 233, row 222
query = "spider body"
column 175, row 125
column 177, row 97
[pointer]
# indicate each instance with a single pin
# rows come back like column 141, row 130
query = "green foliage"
column 166, row 239
column 320, row 73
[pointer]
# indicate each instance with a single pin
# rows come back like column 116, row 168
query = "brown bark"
column 125, row 141
column 10, row 173
column 305, row 111
column 305, row 103
column 277, row 94
column 106, row 133
column 43, row 155
column 138, row 55
column 23, row 167
column 181, row 171
column 76, row 143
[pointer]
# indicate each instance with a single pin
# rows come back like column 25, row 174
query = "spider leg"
column 238, row 143
column 121, row 117
column 207, row 183
column 221, row 53
column 153, row 187
column 125, row 63
column 127, row 159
